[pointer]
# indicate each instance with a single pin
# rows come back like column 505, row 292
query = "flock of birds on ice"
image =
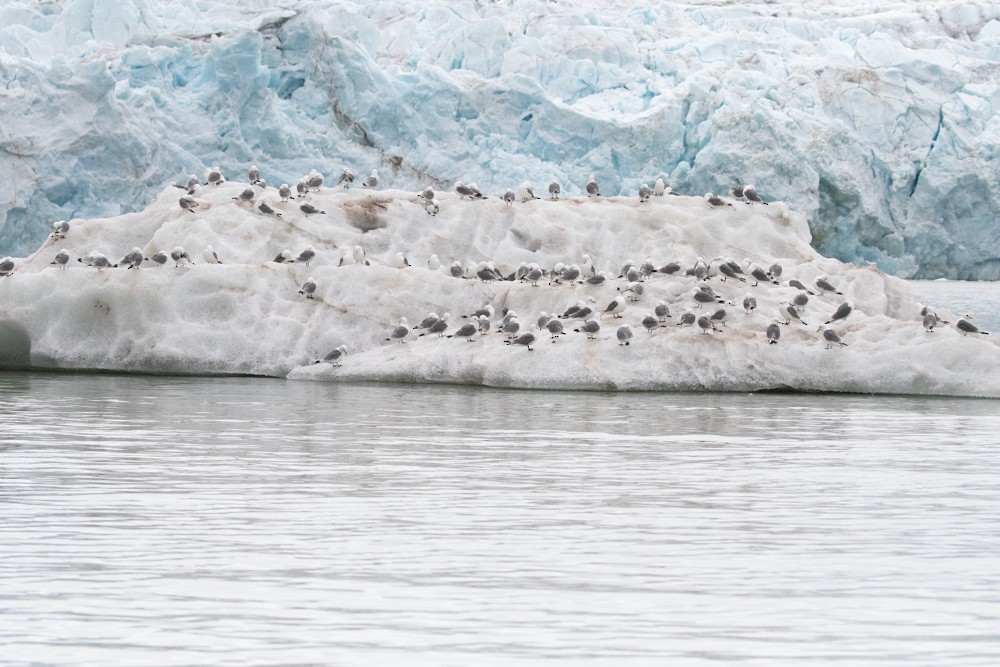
column 584, row 316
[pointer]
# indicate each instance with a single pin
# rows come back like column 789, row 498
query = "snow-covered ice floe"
column 245, row 305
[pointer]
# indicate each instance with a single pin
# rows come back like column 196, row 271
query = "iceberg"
column 377, row 256
column 880, row 124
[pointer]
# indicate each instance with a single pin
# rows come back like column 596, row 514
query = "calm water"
column 179, row 521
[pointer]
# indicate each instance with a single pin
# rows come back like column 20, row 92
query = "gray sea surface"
column 243, row 521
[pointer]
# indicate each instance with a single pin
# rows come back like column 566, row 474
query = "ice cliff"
column 877, row 120
column 248, row 315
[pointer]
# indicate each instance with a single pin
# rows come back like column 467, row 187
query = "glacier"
column 878, row 121
column 248, row 315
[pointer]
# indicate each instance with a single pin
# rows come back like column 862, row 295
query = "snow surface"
column 246, row 315
column 878, row 120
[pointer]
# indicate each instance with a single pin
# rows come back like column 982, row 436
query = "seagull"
column 554, row 190
column 214, row 177
column 267, row 210
column 247, row 195
column 433, row 263
column 253, row 175
column 800, row 300
column 314, row 180
column 749, row 303
column 760, row 275
column 61, row 228
column 651, row 322
column 93, row 258
column 702, row 297
column 159, row 258
column 715, row 201
column 633, row 291
column 670, row 268
column 624, row 335
column 967, row 327
column 687, row 319
column 644, row 193
column 510, row 327
column 661, row 311
column 526, row 191
column 7, row 266
column 179, row 255
column 466, row 331
column 309, row 209
column 555, row 328
column 659, row 187
column 750, row 192
column 62, row 258
column 400, row 261
column 308, row 288
column 525, row 339
column 346, row 178
column 789, row 313
column 428, row 322
column 432, row 208
column 211, row 257
column 440, row 326
column 727, row 272
column 616, row 307
column 706, row 324
column 597, row 279
column 799, row 286
column 843, row 310
column 832, row 339
column 509, row 197
column 736, row 192
column 774, row 271
column 284, row 257
column 773, row 333
column 285, row 192
column 467, row 191
column 591, row 328
column 720, row 316
column 372, row 181
column 930, row 320
column 427, row 194
column 334, row 357
column 301, row 189
column 823, row 285
column 188, row 204
column 306, row 255
column 592, row 189
column 486, row 310
column 400, row 332
column 358, row 254
column 484, row 324
column 133, row 259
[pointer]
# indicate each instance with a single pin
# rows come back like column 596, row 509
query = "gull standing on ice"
column 789, row 313
column 592, row 189
column 346, row 178
column 591, row 328
column 526, row 191
column 285, row 192
column 749, row 303
column 62, row 258
column 401, row 331
column 714, row 201
column 750, row 192
column 466, row 331
column 214, row 177
column 247, row 195
column 314, row 180
column 659, row 187
column 773, row 333
column 843, row 310
column 705, row 324
column 309, row 209
column 644, row 193
column 334, row 357
column 832, row 339
column 308, row 288
column 661, row 311
column 306, row 255
column 433, row 263
column 179, row 256
column 440, row 326
column 372, row 181
column 624, row 335
column 211, row 257
column 60, row 229
column 525, row 339
column 508, row 197
column 160, row 258
column 823, row 285
column 284, row 257
column 133, row 259
column 554, row 190
column 555, row 328
column 264, row 208
column 687, row 319
column 188, row 204
column 6, row 267
column 253, row 175
column 967, row 327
